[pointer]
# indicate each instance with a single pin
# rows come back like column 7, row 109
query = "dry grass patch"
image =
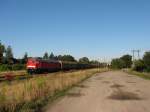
column 32, row 94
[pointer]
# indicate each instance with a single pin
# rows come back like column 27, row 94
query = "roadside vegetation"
column 32, row 94
column 143, row 65
column 122, row 62
column 140, row 67
column 7, row 60
column 145, row 75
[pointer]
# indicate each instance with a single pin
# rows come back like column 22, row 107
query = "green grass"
column 140, row 74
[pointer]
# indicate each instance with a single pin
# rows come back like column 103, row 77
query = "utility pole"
column 138, row 55
column 133, row 54
column 138, row 51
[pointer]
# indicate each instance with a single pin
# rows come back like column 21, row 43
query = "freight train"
column 36, row 65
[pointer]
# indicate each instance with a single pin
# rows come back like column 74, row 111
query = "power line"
column 136, row 52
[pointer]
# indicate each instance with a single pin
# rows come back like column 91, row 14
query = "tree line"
column 9, row 62
column 69, row 58
column 123, row 62
column 141, row 65
column 7, row 56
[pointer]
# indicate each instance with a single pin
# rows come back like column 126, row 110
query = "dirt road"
column 113, row 91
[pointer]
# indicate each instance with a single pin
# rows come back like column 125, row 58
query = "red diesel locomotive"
column 35, row 65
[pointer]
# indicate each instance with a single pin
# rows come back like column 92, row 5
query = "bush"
column 117, row 63
column 127, row 61
column 146, row 60
column 5, row 67
column 18, row 67
column 139, row 66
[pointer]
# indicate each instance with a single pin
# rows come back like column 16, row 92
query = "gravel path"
column 113, row 91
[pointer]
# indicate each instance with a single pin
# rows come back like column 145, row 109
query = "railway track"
column 12, row 76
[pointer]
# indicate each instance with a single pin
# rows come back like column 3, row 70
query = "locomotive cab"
column 32, row 65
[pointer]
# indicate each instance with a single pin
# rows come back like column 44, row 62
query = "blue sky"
column 95, row 28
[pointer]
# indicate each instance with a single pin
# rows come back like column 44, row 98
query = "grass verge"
column 140, row 74
column 32, row 94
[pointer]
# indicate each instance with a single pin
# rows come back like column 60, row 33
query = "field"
column 31, row 94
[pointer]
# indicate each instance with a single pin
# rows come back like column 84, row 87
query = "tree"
column 25, row 58
column 51, row 56
column 45, row 55
column 139, row 66
column 9, row 55
column 117, row 63
column 127, row 61
column 2, row 50
column 146, row 60
column 84, row 60
column 59, row 57
column 66, row 58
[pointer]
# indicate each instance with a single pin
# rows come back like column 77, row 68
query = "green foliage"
column 84, row 60
column 117, row 63
column 146, row 60
column 139, row 66
column 25, row 58
column 2, row 50
column 140, row 74
column 66, row 58
column 9, row 55
column 127, row 61
column 45, row 55
column 14, row 67
column 51, row 56
column 5, row 67
column 123, row 62
column 142, row 65
column 18, row 67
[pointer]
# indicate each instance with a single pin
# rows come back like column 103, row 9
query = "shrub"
column 139, row 65
column 5, row 67
column 146, row 60
column 117, row 63
column 127, row 61
column 18, row 67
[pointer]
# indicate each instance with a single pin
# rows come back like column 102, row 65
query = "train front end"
column 32, row 65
